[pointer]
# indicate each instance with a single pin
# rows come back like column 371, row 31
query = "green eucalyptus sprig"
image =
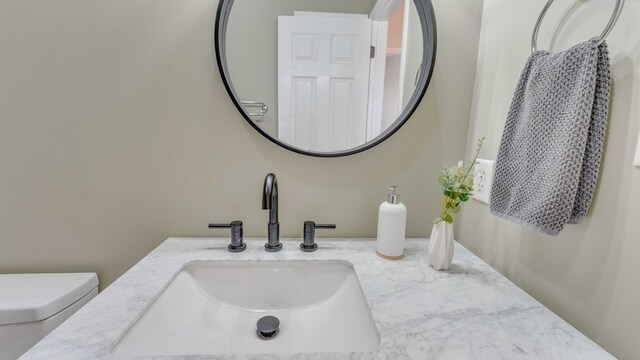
column 457, row 186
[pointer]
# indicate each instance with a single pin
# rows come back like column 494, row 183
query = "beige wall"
column 116, row 133
column 252, row 49
column 589, row 274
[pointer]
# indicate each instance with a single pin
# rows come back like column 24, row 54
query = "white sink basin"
column 212, row 308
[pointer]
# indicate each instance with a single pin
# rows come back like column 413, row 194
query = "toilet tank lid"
column 28, row 298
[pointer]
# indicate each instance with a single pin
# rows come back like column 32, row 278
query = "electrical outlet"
column 482, row 180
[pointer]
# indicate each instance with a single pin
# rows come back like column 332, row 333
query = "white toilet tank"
column 32, row 305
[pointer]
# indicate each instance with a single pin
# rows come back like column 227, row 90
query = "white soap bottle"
column 392, row 223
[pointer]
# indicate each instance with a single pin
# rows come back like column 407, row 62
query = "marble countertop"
column 469, row 312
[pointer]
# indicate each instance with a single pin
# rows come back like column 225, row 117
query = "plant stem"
column 473, row 163
column 443, row 210
column 448, row 205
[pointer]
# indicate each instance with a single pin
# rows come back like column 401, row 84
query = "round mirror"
column 326, row 78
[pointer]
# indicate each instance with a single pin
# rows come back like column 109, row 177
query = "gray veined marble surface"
column 470, row 312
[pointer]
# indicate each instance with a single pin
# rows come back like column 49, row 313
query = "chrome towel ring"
column 612, row 22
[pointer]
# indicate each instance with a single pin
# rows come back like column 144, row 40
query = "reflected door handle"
column 418, row 73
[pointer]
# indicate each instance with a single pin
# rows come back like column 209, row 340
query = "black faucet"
column 270, row 202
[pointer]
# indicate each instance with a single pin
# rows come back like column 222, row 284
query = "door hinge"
column 373, row 52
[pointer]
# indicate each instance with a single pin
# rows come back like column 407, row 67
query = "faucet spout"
column 270, row 197
column 270, row 202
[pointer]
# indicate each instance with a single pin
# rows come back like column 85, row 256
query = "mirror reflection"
column 324, row 75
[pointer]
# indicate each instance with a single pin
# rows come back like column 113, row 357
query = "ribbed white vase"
column 441, row 246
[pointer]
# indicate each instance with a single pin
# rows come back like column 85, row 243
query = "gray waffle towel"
column 549, row 157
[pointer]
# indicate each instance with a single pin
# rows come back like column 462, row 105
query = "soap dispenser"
column 392, row 222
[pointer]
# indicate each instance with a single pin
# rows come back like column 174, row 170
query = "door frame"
column 383, row 9
column 377, row 72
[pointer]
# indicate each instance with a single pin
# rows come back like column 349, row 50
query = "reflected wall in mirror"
column 326, row 77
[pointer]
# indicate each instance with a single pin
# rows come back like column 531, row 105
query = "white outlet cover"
column 482, row 180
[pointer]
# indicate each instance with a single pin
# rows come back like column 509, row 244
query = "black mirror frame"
column 428, row 22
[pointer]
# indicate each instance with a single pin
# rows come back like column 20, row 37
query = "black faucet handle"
column 226, row 225
column 309, row 239
column 237, row 244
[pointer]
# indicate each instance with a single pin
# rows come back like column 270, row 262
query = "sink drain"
column 268, row 327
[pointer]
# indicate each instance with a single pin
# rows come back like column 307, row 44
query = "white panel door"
column 323, row 79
